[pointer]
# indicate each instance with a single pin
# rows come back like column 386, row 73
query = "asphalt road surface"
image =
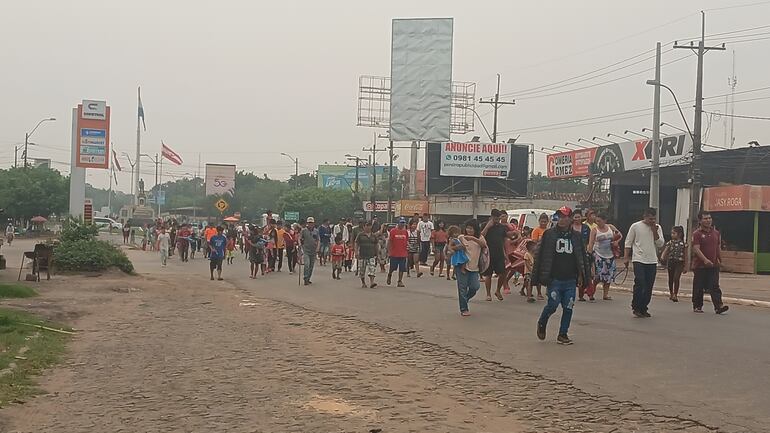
column 702, row 368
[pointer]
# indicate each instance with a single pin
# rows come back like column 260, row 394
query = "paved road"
column 707, row 368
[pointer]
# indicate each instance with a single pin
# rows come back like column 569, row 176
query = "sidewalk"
column 743, row 289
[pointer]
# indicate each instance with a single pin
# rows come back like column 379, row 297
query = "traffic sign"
column 291, row 216
column 221, row 205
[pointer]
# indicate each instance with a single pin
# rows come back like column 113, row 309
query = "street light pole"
column 296, row 169
column 29, row 134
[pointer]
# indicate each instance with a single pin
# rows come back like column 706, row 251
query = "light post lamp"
column 556, row 147
column 569, row 143
column 609, row 134
column 604, row 139
column 296, row 168
column 628, row 131
column 587, row 141
column 29, row 134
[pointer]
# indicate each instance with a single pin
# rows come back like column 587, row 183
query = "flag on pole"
column 169, row 154
column 115, row 160
column 141, row 110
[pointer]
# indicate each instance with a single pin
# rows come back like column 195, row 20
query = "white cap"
column 310, row 219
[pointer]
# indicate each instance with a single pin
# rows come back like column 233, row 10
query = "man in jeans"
column 707, row 245
column 425, row 227
column 643, row 240
column 325, row 233
column 309, row 240
column 560, row 266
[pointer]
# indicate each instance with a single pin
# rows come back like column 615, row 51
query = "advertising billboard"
column 620, row 157
column 93, row 135
column 343, row 177
column 220, row 179
column 570, row 164
column 512, row 185
column 421, row 79
column 475, row 159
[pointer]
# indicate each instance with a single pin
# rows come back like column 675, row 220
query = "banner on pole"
column 220, row 179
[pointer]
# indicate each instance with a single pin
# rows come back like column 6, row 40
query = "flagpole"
column 160, row 182
column 138, row 146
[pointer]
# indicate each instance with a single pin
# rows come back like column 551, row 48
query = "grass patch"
column 13, row 290
column 44, row 348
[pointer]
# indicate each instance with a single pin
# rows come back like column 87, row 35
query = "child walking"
column 230, row 250
column 338, row 256
column 529, row 263
column 674, row 257
column 452, row 239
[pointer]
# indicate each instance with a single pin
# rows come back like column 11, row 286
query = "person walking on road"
column 367, row 244
column 310, row 242
column 398, row 239
column 643, row 240
column 425, row 227
column 439, row 245
column 325, row 235
column 414, row 250
column 707, row 246
column 290, row 244
column 217, row 245
column 603, row 237
column 560, row 266
column 162, row 244
column 675, row 257
column 468, row 282
column 494, row 234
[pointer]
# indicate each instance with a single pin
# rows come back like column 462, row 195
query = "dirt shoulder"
column 181, row 354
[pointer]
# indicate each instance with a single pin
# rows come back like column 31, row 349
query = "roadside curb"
column 725, row 299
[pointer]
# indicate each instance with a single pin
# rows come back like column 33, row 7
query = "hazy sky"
column 241, row 81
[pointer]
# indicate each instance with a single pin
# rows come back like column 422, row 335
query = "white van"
column 528, row 217
column 106, row 223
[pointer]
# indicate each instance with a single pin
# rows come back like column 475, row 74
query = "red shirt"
column 338, row 252
column 440, row 236
column 710, row 243
column 398, row 240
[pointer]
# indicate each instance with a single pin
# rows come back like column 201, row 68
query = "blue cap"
column 402, row 220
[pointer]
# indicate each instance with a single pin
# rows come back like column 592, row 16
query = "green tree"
column 28, row 192
column 318, row 203
column 304, row 180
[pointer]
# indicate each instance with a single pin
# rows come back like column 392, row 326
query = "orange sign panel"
column 411, row 207
column 737, row 198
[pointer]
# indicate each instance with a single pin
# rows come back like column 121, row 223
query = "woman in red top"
column 290, row 243
column 439, row 238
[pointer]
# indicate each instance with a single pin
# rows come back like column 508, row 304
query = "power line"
column 745, row 5
column 738, row 116
column 621, row 39
column 603, row 82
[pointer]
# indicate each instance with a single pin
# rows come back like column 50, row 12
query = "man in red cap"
column 560, row 266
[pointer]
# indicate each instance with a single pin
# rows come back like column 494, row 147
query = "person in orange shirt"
column 280, row 244
column 209, row 233
column 537, row 232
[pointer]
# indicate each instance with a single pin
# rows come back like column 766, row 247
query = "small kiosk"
column 742, row 214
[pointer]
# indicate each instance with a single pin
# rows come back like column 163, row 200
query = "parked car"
column 107, row 224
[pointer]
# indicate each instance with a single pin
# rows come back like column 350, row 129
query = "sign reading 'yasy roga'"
column 475, row 159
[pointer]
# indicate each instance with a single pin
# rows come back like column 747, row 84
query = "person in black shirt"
column 560, row 265
column 495, row 233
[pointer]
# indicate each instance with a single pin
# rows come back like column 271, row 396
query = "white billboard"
column 421, row 79
column 475, row 159
column 220, row 179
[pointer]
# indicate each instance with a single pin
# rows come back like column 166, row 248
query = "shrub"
column 79, row 250
column 90, row 255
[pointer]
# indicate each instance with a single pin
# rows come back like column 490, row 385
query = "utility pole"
column 733, row 81
column 655, row 170
column 373, row 159
column 496, row 104
column 26, row 145
column 390, row 180
column 413, row 170
column 695, row 167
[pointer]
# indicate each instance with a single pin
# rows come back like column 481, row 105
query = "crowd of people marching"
column 566, row 258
